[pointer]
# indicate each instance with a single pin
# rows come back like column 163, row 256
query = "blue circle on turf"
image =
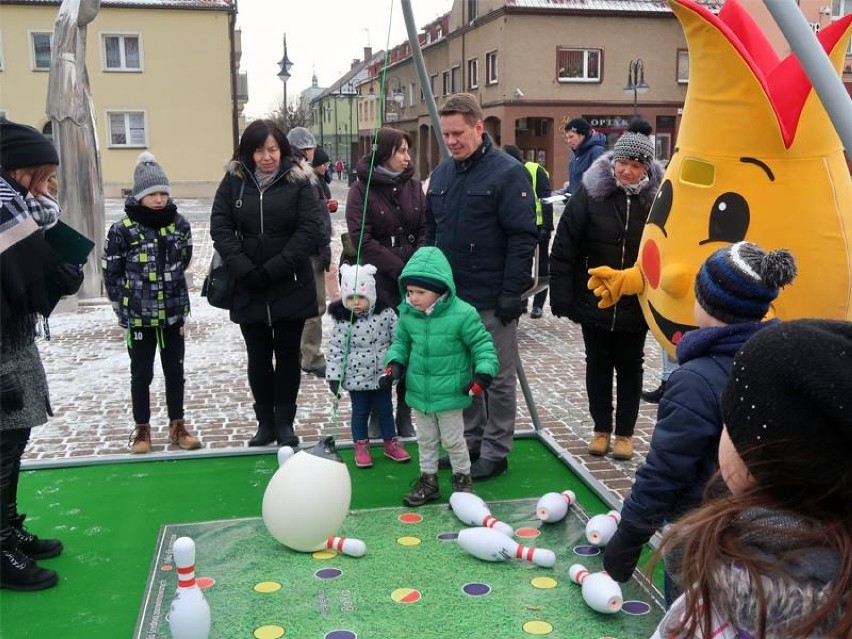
column 328, row 573
column 476, row 589
column 587, row 551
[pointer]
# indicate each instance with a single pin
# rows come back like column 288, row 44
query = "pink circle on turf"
column 527, row 533
column 411, row 518
column 167, row 568
column 205, row 582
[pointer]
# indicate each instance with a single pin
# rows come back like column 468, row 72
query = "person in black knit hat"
column 733, row 291
column 31, row 274
column 773, row 558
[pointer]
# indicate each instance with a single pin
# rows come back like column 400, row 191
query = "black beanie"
column 578, row 125
column 515, row 152
column 789, row 397
column 436, row 286
column 23, row 146
column 737, row 283
column 320, row 157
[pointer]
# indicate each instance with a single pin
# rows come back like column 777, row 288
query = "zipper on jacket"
column 623, row 252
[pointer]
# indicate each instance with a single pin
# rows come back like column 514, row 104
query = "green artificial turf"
column 108, row 517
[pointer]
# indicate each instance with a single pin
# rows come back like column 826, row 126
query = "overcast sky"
column 322, row 36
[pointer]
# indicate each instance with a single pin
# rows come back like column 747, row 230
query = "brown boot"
column 140, row 439
column 461, row 483
column 179, row 435
column 599, row 444
column 623, row 447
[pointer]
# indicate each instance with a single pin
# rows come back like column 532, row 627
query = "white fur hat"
column 358, row 280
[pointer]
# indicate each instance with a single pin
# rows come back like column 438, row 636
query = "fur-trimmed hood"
column 293, row 170
column 600, row 180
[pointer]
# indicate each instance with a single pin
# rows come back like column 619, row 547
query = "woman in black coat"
column 266, row 224
column 602, row 226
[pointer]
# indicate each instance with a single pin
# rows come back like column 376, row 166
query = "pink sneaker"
column 362, row 454
column 395, row 451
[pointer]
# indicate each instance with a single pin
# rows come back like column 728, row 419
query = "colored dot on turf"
column 543, row 583
column 476, row 590
column 411, row 518
column 587, row 551
column 167, row 568
column 267, row 586
column 537, row 628
column 341, row 634
column 205, row 582
column 269, row 632
column 635, row 608
column 448, row 536
column 324, row 554
column 406, row 595
column 527, row 533
column 328, row 573
column 409, row 541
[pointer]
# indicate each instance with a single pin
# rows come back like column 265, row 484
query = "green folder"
column 72, row 246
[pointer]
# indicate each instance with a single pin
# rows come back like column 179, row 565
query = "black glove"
column 622, row 552
column 509, row 308
column 11, row 393
column 334, row 386
column 325, row 258
column 70, row 278
column 393, row 373
column 256, row 279
column 480, row 382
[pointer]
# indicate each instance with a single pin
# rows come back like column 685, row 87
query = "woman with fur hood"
column 266, row 224
column 602, row 226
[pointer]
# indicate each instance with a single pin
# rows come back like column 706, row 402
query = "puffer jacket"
column 395, row 224
column 277, row 228
column 372, row 334
column 145, row 259
column 481, row 213
column 602, row 226
column 590, row 150
column 441, row 351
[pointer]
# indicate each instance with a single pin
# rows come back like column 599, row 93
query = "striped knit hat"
column 635, row 144
column 737, row 283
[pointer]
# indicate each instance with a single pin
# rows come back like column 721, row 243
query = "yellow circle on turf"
column 324, row 554
column 408, row 541
column 269, row 632
column 543, row 583
column 267, row 586
column 537, row 628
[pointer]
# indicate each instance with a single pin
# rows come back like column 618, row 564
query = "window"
column 127, row 128
column 122, row 53
column 412, row 94
column 682, row 66
column 840, row 8
column 473, row 73
column 471, row 10
column 578, row 65
column 446, row 83
column 491, row 67
column 41, row 41
column 433, row 80
column 455, row 80
column 2, row 58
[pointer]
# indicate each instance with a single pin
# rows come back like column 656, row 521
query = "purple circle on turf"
column 587, row 551
column 328, row 573
column 341, row 634
column 635, row 608
column 448, row 536
column 476, row 590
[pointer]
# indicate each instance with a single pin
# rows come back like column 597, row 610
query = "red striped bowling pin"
column 492, row 545
column 601, row 528
column 471, row 510
column 189, row 615
column 347, row 545
column 600, row 591
column 553, row 507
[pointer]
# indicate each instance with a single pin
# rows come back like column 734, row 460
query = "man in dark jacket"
column 586, row 144
column 480, row 213
column 733, row 291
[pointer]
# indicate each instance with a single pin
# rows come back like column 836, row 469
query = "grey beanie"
column 635, row 144
column 149, row 177
column 302, row 138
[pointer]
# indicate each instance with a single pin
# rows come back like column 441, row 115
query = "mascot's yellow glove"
column 610, row 285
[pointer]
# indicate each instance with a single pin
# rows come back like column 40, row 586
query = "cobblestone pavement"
column 88, row 374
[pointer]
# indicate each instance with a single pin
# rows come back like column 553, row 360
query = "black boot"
column 265, row 435
column 654, row 396
column 30, row 544
column 19, row 571
column 404, row 427
column 284, row 433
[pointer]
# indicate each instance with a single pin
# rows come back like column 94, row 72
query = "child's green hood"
column 430, row 262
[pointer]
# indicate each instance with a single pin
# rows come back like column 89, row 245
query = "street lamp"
column 284, row 74
column 636, row 82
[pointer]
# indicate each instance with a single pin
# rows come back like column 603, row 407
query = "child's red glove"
column 393, row 373
column 480, row 382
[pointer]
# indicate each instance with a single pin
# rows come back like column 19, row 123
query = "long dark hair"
column 254, row 137
column 389, row 141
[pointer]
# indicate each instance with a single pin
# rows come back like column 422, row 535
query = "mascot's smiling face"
column 757, row 160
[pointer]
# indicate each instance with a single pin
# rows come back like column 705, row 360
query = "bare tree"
column 292, row 117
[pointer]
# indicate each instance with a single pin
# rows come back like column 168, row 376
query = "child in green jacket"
column 447, row 356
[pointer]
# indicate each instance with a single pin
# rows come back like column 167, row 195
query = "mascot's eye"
column 659, row 214
column 729, row 219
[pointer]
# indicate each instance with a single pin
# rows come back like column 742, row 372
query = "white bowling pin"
column 347, row 545
column 284, row 453
column 189, row 616
column 492, row 545
column 600, row 591
column 601, row 528
column 553, row 507
column 472, row 511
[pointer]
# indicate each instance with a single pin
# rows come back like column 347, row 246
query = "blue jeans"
column 377, row 401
